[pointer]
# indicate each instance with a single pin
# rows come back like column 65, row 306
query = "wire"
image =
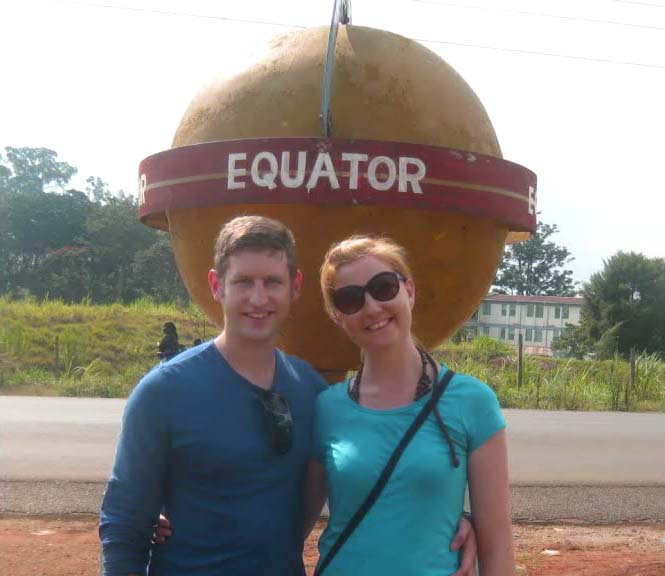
column 536, row 53
column 638, row 3
column 190, row 15
column 424, row 40
column 537, row 14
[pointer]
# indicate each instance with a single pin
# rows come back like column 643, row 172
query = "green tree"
column 32, row 226
column 536, row 267
column 5, row 175
column 33, row 170
column 70, row 244
column 29, row 222
column 573, row 342
column 97, row 190
column 65, row 273
column 155, row 272
column 625, row 305
column 115, row 235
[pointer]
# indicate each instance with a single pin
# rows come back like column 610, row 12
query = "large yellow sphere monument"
column 411, row 155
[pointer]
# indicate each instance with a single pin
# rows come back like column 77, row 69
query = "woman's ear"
column 333, row 315
column 410, row 291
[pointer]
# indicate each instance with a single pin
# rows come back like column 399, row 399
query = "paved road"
column 58, row 438
column 585, row 460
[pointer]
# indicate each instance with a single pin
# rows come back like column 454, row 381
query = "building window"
column 511, row 334
column 555, row 334
column 529, row 310
column 486, row 330
column 561, row 312
column 474, row 316
column 540, row 309
column 503, row 333
column 504, row 309
column 513, row 309
column 529, row 335
column 537, row 335
column 487, row 308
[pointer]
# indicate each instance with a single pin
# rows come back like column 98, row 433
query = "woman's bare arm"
column 489, row 493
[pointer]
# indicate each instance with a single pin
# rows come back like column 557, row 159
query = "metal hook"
column 341, row 15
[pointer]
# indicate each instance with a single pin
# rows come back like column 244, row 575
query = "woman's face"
column 378, row 324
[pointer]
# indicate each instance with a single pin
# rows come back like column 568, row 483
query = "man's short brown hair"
column 254, row 233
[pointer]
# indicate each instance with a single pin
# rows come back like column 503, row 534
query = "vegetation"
column 60, row 246
column 536, row 267
column 54, row 348
column 58, row 242
column 624, row 309
column 560, row 383
column 625, row 306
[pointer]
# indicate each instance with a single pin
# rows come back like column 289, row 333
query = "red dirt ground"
column 67, row 546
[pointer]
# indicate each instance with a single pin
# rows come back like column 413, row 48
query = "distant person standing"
column 169, row 345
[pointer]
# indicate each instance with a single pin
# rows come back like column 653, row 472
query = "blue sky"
column 576, row 91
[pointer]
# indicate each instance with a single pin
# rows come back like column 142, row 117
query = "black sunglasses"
column 382, row 287
column 279, row 419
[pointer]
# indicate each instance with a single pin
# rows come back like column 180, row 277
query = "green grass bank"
column 52, row 348
column 57, row 349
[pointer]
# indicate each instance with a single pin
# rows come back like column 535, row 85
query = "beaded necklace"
column 423, row 386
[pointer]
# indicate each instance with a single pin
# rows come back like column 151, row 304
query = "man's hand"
column 465, row 540
column 161, row 531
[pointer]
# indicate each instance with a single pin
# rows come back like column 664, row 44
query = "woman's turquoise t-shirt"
column 409, row 529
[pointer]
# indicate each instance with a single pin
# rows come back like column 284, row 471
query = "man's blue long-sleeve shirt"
column 195, row 443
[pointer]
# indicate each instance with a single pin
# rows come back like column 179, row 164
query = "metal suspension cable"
column 639, row 3
column 192, row 15
column 536, row 14
column 424, row 40
column 550, row 54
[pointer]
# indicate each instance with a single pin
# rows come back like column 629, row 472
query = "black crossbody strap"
column 437, row 390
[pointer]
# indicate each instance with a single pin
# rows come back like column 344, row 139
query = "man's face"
column 255, row 293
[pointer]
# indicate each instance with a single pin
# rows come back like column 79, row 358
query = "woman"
column 369, row 293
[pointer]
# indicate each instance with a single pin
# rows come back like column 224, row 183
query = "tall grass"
column 560, row 384
column 82, row 349
column 50, row 347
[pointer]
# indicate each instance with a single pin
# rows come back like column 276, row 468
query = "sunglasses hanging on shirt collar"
column 280, row 421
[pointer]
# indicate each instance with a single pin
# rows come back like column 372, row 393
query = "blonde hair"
column 354, row 248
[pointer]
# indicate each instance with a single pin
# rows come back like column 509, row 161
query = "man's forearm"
column 133, row 496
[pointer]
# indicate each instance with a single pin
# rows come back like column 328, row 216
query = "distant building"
column 539, row 319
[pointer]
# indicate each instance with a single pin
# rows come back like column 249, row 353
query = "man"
column 169, row 345
column 219, row 437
